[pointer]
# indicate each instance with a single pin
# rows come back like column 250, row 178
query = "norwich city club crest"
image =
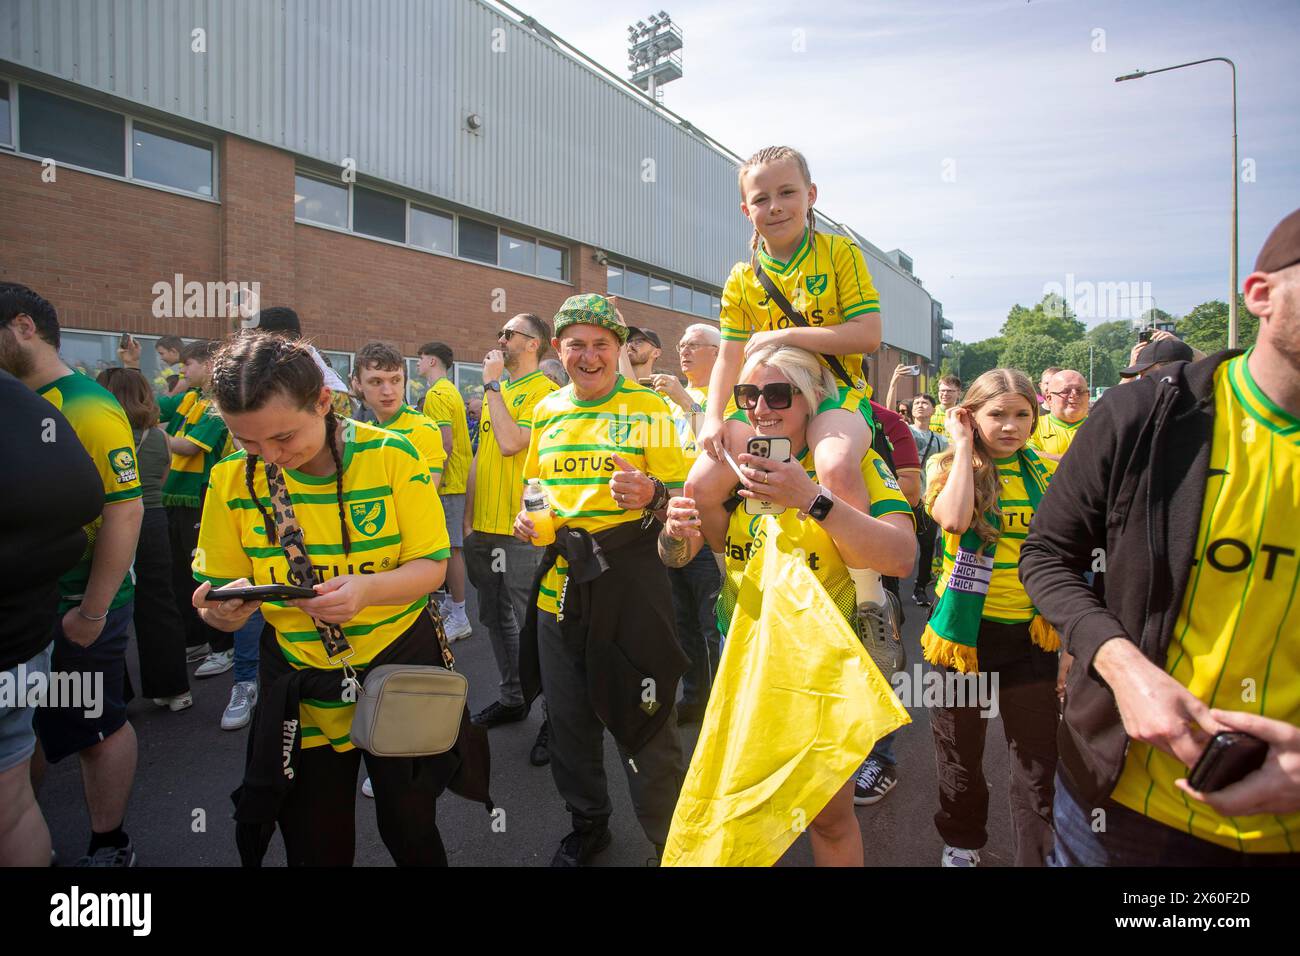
column 816, row 284
column 368, row 517
column 619, row 432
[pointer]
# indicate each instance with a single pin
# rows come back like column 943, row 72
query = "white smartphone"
column 911, row 370
column 777, row 449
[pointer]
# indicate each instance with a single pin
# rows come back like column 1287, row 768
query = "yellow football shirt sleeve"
column 110, row 444
column 220, row 556
column 427, row 437
column 663, row 454
column 733, row 320
column 420, row 519
column 886, row 496
column 857, row 293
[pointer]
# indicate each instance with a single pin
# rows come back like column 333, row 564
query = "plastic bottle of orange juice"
column 538, row 507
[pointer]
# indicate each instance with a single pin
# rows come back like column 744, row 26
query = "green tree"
column 1051, row 317
column 1154, row 317
column 1104, row 370
column 1115, row 339
column 976, row 358
column 1206, row 326
column 1031, row 354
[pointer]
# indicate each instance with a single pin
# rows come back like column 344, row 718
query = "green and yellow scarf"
column 950, row 636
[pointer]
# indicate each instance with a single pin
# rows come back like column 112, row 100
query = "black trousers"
column 183, row 523
column 925, row 558
column 318, row 819
column 695, row 593
column 1027, row 703
column 159, row 629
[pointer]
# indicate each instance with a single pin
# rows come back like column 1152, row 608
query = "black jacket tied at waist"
column 617, row 603
column 275, row 738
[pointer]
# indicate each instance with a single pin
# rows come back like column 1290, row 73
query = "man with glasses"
column 1067, row 402
column 500, row 566
column 696, row 585
column 949, row 395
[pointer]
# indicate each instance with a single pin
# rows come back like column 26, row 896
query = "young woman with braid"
column 374, row 531
column 823, row 278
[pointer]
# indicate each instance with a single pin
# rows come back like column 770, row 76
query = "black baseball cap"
column 1162, row 350
column 649, row 334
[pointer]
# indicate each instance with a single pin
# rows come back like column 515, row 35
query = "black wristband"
column 660, row 497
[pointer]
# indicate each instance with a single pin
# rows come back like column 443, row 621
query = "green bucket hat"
column 589, row 309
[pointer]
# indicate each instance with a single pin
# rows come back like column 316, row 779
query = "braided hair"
column 247, row 371
column 774, row 154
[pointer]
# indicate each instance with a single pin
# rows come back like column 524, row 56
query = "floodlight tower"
column 654, row 53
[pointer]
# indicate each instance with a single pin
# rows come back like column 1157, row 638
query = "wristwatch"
column 821, row 505
column 492, row 386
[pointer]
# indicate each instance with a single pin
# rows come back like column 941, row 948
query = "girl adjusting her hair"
column 781, row 388
column 374, row 534
column 804, row 289
column 983, row 492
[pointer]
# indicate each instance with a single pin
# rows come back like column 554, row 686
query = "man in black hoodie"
column 1184, row 489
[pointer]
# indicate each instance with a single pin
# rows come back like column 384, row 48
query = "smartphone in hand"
column 1227, row 758
column 775, row 449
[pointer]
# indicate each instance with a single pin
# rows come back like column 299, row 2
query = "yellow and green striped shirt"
column 570, row 451
column 826, row 281
column 393, row 515
column 745, row 533
column 421, row 432
column 1234, row 644
column 191, row 416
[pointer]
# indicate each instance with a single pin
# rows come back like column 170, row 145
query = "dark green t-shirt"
column 152, row 454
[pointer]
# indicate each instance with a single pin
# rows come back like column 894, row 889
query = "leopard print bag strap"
column 294, row 547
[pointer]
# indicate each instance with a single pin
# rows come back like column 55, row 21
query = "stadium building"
column 403, row 170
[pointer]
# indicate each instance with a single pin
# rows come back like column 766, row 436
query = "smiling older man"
column 599, row 632
column 1067, row 401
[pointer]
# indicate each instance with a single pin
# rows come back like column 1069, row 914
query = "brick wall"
column 95, row 246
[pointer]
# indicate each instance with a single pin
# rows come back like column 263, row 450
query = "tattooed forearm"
column 673, row 552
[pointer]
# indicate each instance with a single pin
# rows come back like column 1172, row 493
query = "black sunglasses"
column 506, row 333
column 778, row 395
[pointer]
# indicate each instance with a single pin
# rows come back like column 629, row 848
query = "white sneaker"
column 367, row 790
column 956, row 856
column 243, row 698
column 457, row 625
column 179, row 702
column 218, row 662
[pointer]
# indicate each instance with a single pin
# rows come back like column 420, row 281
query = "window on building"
column 92, row 352
column 169, row 159
column 341, row 362
column 316, row 200
column 6, row 116
column 715, row 307
column 681, row 297
column 469, row 379
column 71, row 132
column 637, row 285
column 517, row 253
column 700, row 304
column 378, row 214
column 415, row 385
column 614, row 279
column 550, row 262
column 432, row 230
column 661, row 292
column 477, row 240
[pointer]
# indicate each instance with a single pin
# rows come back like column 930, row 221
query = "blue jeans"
column 695, row 595
column 884, row 749
column 246, row 640
column 1130, row 839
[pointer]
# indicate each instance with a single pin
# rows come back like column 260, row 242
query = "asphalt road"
column 180, row 807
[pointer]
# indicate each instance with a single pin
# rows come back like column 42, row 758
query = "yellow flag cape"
column 796, row 707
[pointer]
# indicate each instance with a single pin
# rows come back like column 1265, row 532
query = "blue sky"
column 1052, row 168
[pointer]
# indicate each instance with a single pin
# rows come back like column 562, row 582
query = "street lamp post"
column 1232, row 262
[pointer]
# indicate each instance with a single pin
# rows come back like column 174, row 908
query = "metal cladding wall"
column 388, row 84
